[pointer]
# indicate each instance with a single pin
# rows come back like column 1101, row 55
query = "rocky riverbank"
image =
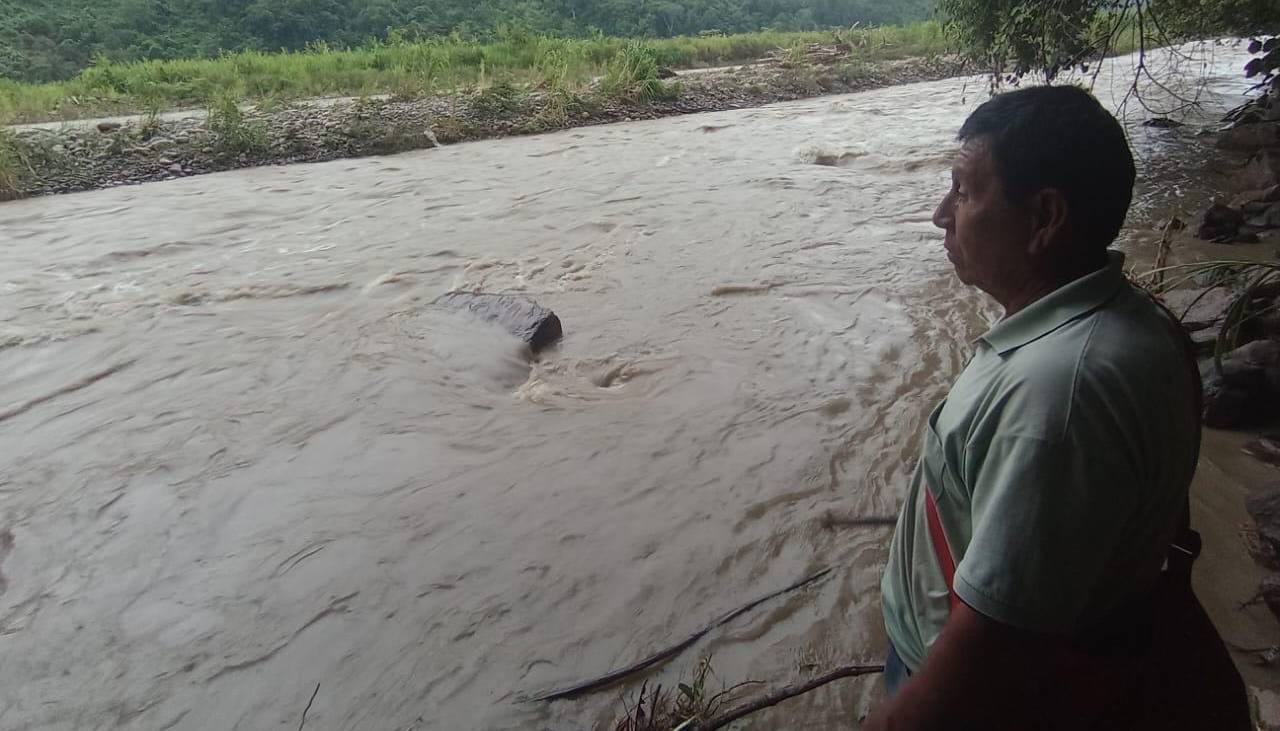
column 1229, row 303
column 43, row 161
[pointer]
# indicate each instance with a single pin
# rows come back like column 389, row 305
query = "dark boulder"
column 1264, row 354
column 1162, row 123
column 520, row 316
column 1235, row 397
column 108, row 127
column 666, row 73
column 1220, row 223
column 1245, row 391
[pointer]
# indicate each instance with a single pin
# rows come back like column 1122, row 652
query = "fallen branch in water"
column 654, row 659
column 303, row 722
column 787, row 693
column 831, row 521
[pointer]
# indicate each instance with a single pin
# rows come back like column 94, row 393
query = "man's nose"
column 943, row 214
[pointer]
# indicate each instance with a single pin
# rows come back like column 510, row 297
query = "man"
column 1055, row 474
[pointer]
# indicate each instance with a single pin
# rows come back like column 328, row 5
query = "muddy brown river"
column 244, row 457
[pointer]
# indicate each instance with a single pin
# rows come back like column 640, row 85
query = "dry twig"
column 613, row 677
column 303, row 722
column 787, row 693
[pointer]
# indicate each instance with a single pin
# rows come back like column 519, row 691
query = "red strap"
column 940, row 547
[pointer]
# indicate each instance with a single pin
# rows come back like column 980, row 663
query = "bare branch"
column 787, row 693
column 617, row 675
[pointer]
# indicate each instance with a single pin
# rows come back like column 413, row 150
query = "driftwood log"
column 521, row 316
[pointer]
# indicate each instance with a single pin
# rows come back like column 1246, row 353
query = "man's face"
column 987, row 237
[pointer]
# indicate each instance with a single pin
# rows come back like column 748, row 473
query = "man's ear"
column 1048, row 209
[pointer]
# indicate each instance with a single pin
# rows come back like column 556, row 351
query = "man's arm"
column 980, row 674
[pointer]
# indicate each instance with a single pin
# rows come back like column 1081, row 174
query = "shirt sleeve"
column 1048, row 516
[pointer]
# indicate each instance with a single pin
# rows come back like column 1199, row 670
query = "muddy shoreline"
column 74, row 158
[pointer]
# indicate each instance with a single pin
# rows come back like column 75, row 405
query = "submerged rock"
column 521, row 316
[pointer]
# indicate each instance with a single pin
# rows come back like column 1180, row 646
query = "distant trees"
column 53, row 39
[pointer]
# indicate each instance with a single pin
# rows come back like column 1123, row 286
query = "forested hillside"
column 43, row 40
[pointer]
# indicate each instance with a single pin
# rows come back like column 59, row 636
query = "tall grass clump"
column 233, row 132
column 553, row 68
column 1245, row 279
column 796, row 56
column 633, row 75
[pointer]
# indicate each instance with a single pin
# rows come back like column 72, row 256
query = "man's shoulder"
column 1119, row 340
column 1116, row 352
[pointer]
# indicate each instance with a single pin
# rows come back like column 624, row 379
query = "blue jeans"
column 895, row 671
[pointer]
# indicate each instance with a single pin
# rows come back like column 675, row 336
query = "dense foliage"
column 1047, row 36
column 42, row 40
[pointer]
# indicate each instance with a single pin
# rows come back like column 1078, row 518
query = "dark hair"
column 1060, row 137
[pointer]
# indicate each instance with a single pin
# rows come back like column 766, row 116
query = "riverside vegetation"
column 532, row 85
column 402, row 67
column 52, row 40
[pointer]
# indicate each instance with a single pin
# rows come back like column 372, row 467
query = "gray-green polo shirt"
column 1059, row 462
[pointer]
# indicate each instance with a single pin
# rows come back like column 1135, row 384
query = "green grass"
column 233, row 134
column 633, row 75
column 665, row 709
column 407, row 69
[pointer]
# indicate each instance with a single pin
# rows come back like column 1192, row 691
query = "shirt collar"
column 1058, row 307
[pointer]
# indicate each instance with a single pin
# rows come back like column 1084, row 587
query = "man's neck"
column 1036, row 288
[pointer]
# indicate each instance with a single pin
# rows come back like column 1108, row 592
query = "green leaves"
column 1012, row 38
column 1017, row 37
column 1267, row 62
